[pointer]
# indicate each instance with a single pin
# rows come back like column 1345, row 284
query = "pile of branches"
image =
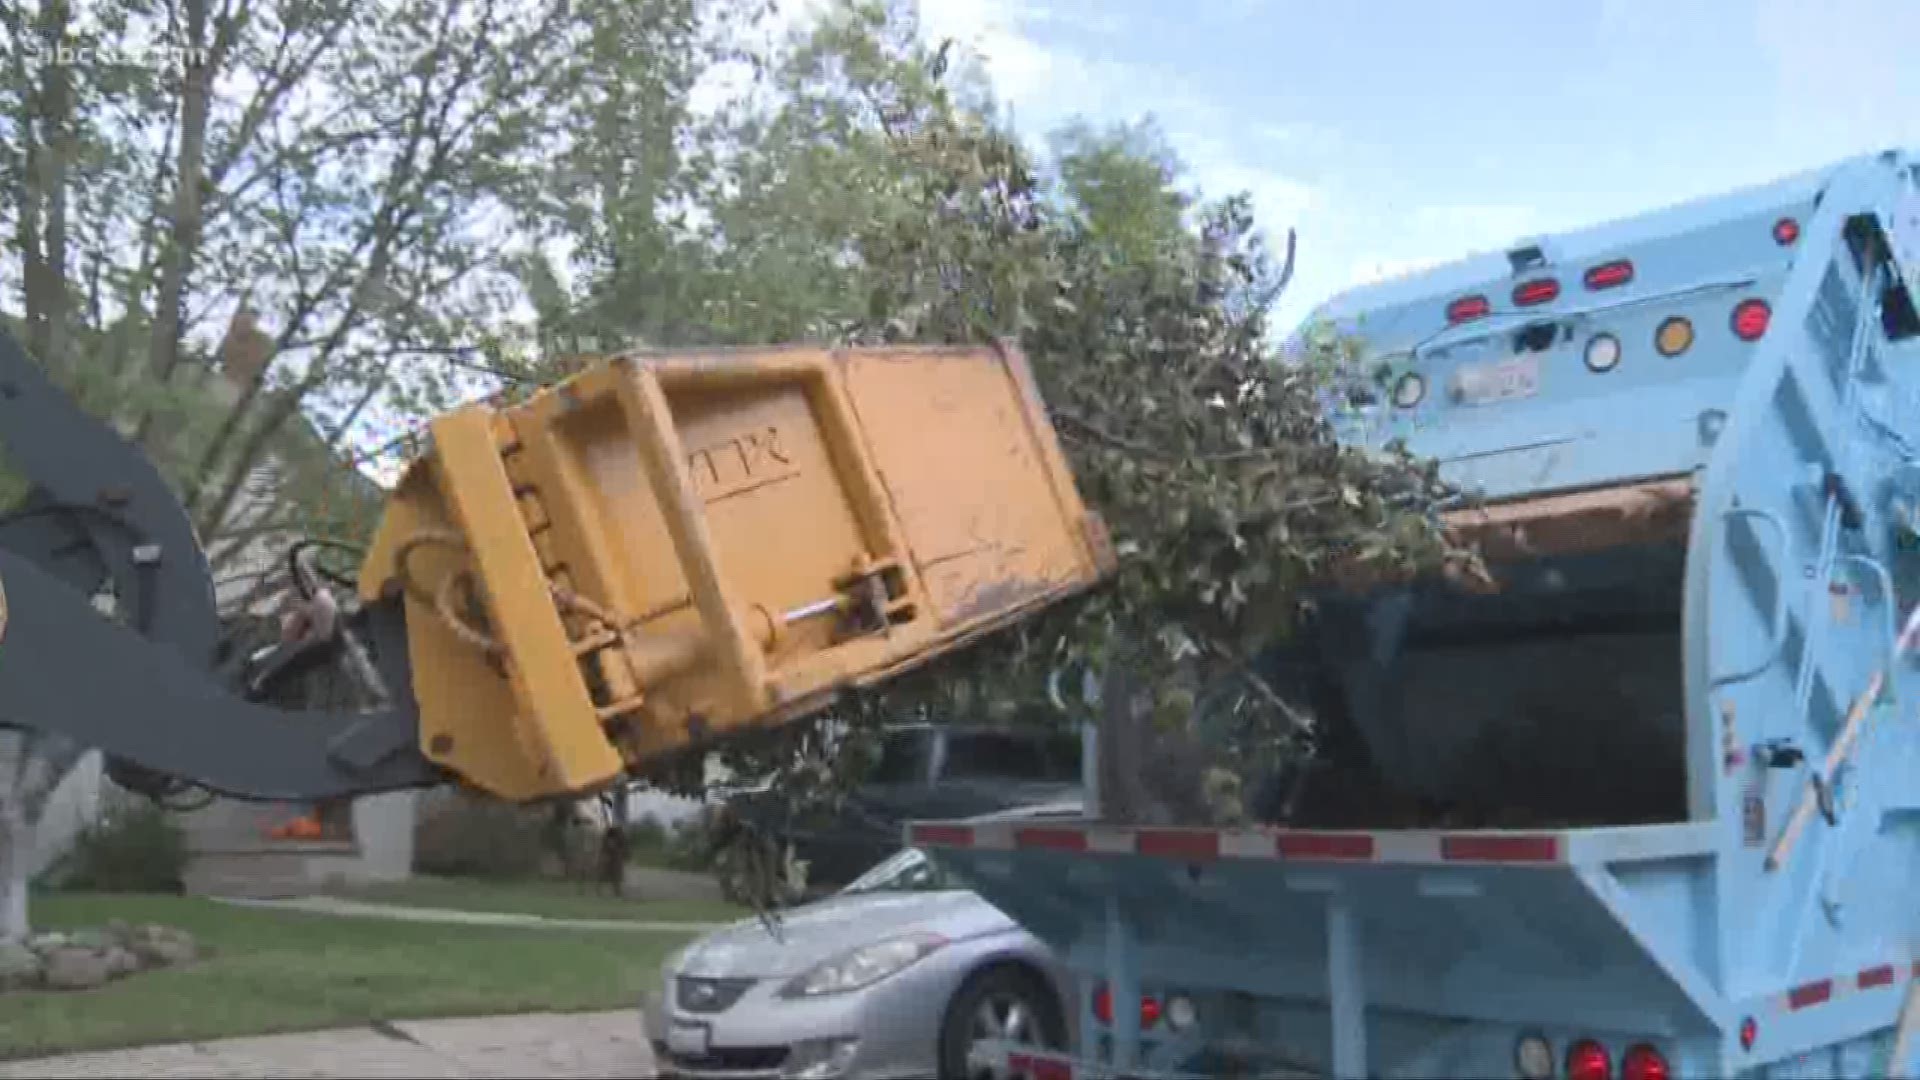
column 1226, row 493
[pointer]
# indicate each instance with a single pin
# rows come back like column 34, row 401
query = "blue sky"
column 1394, row 134
column 1398, row 133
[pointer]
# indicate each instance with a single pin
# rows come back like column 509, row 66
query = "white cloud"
column 1278, row 200
column 1431, row 236
column 1050, row 84
column 1476, row 227
column 1373, row 271
column 1297, row 137
column 1045, row 86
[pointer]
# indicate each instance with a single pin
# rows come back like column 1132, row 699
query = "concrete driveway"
column 606, row 1044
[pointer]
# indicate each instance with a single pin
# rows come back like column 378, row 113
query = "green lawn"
column 275, row 971
column 553, row 899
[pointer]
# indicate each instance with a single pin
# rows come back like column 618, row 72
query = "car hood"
column 819, row 931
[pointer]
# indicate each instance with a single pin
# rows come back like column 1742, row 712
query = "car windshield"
column 908, row 870
column 994, row 755
column 903, row 757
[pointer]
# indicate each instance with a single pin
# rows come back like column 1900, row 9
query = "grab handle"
column 1888, row 603
column 1779, row 620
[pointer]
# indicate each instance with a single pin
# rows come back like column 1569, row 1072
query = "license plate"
column 689, row 1039
column 1504, row 380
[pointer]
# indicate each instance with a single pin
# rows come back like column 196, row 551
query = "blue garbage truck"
column 1678, row 727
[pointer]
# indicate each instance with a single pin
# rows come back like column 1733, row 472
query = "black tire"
column 993, row 992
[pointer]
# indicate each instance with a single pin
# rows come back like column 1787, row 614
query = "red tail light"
column 1608, row 275
column 1103, row 1008
column 1643, row 1062
column 1466, row 308
column 1537, row 291
column 1749, row 1031
column 1786, row 231
column 1588, row 1060
column 1750, row 318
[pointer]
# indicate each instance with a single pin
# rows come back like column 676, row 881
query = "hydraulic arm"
column 146, row 686
column 645, row 558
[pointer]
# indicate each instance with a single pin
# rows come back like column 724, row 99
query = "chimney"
column 246, row 350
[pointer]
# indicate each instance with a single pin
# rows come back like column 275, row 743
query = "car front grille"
column 697, row 995
column 733, row 1059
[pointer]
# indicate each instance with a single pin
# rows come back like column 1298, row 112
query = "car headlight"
column 863, row 966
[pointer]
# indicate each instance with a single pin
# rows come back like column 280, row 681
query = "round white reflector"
column 1603, row 352
column 1409, row 390
column 1533, row 1058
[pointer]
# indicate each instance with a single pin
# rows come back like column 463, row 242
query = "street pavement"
column 596, row 1045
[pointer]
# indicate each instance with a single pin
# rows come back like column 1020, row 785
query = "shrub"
column 691, row 845
column 135, row 848
column 648, row 841
column 686, row 845
column 469, row 836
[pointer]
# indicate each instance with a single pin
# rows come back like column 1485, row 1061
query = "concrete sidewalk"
column 369, row 909
column 598, row 1045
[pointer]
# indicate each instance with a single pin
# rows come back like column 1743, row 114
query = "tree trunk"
column 16, row 856
column 177, row 256
column 32, row 766
column 47, row 145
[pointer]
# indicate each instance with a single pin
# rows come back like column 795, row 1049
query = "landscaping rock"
column 160, row 946
column 84, row 959
column 96, row 940
column 19, row 966
column 122, row 962
column 73, row 967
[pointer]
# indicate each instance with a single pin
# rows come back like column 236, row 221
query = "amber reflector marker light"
column 1674, row 337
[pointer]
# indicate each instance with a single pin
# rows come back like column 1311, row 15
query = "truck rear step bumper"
column 1008, row 1061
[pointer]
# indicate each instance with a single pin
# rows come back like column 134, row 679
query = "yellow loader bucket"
column 668, row 548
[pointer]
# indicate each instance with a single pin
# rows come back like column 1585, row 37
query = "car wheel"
column 1003, row 1003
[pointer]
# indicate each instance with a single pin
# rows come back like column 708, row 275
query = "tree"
column 328, row 168
column 379, row 185
column 878, row 196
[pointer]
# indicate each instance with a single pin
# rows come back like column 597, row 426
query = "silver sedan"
column 895, row 976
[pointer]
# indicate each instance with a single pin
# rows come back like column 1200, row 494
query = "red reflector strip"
column 1177, row 843
column 1324, row 846
column 943, row 835
column 1840, row 987
column 1609, row 275
column 1531, row 849
column 1813, row 993
column 1468, row 307
column 1051, row 839
column 1537, row 291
